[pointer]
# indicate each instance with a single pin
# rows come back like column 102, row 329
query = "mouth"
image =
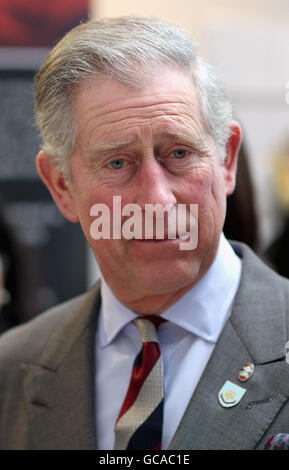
column 158, row 240
column 180, row 237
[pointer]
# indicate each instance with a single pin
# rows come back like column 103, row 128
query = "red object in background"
column 38, row 23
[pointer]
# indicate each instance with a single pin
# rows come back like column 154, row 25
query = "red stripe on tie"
column 150, row 355
column 155, row 319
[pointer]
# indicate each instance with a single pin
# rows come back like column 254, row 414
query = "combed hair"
column 125, row 49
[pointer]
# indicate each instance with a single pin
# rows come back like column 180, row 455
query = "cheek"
column 219, row 192
column 109, row 211
column 201, row 186
column 206, row 188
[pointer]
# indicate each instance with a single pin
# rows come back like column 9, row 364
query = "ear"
column 59, row 189
column 231, row 160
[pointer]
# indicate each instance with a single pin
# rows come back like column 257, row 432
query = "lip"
column 156, row 241
column 152, row 249
column 165, row 239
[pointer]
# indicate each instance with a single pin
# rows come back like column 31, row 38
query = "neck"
column 156, row 304
column 145, row 303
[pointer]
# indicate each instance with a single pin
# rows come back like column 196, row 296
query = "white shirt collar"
column 203, row 310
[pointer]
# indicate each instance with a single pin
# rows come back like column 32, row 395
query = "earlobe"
column 54, row 180
column 231, row 160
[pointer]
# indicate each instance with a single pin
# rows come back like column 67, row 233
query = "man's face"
column 148, row 146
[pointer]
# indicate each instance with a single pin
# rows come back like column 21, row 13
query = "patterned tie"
column 139, row 424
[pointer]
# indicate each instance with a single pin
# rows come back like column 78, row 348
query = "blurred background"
column 44, row 259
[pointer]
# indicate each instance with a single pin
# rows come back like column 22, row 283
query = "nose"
column 154, row 185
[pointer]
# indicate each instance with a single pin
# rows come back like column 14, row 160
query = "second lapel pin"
column 246, row 372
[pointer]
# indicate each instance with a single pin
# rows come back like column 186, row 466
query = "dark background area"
column 44, row 256
column 35, row 23
column 51, row 252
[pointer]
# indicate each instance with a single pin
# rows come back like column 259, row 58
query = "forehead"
column 104, row 108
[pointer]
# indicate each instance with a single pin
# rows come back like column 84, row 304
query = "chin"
column 169, row 280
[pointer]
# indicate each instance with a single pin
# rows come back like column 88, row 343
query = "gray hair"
column 123, row 48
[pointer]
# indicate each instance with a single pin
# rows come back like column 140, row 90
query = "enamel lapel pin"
column 230, row 394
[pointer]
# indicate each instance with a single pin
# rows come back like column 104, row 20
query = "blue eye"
column 180, row 153
column 117, row 164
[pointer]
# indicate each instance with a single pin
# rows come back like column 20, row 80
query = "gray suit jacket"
column 47, row 374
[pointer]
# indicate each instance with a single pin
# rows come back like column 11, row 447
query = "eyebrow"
column 189, row 139
column 110, row 146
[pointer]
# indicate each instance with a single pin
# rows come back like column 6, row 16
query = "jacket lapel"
column 254, row 333
column 59, row 389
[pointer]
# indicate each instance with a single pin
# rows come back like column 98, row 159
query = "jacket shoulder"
column 25, row 343
column 256, row 267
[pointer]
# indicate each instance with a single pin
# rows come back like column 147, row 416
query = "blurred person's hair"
column 129, row 50
column 241, row 221
column 10, row 311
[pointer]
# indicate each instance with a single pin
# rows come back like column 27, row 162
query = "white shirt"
column 186, row 340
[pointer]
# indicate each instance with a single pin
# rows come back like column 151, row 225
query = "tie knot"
column 147, row 327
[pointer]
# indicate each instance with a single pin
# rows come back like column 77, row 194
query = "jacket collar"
column 259, row 309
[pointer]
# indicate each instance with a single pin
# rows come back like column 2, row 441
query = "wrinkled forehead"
column 101, row 101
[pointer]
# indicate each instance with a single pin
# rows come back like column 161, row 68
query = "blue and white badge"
column 230, row 394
